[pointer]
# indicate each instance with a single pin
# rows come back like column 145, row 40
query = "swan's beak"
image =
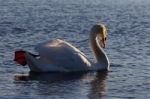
column 103, row 38
column 103, row 43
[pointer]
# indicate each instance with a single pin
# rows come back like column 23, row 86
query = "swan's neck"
column 100, row 56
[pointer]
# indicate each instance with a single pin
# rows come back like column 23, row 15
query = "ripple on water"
column 25, row 23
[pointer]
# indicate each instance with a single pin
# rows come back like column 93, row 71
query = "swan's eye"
column 105, row 38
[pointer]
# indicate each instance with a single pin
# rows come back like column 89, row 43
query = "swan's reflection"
column 50, row 77
column 98, row 87
column 63, row 84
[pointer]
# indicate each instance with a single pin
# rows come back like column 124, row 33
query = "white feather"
column 58, row 55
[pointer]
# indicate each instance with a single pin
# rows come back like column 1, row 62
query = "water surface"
column 24, row 23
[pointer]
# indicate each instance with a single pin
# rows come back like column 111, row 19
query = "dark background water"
column 24, row 23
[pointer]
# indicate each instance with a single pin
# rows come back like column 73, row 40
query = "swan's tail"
column 20, row 57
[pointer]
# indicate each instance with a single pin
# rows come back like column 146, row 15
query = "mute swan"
column 60, row 56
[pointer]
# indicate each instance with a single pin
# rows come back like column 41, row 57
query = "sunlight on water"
column 25, row 23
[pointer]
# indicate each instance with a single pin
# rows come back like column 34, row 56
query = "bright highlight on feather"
column 60, row 56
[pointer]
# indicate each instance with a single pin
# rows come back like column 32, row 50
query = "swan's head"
column 100, row 31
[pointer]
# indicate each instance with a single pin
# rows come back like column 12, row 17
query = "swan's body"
column 60, row 56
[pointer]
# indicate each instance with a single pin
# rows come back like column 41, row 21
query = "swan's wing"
column 63, row 54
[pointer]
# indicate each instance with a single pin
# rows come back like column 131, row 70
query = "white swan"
column 60, row 56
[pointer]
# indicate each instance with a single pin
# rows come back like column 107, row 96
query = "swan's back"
column 62, row 54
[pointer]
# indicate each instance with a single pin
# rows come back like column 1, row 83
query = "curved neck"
column 100, row 56
column 96, row 49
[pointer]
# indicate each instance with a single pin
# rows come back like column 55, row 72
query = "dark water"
column 24, row 23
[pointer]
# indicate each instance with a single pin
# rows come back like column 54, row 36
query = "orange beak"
column 103, row 43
